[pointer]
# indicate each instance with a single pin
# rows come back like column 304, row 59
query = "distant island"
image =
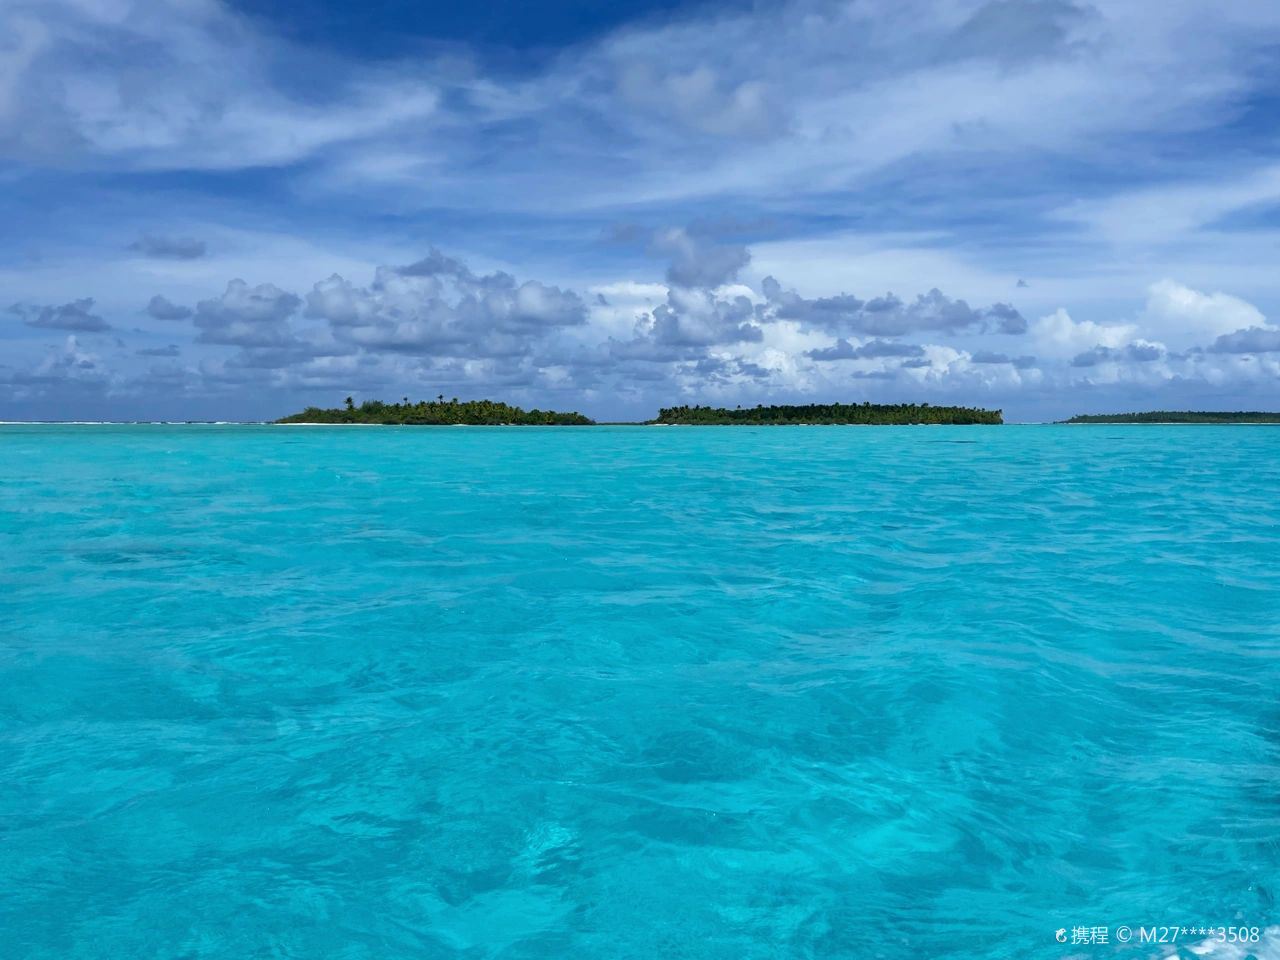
column 828, row 413
column 442, row 412
column 438, row 412
column 1179, row 416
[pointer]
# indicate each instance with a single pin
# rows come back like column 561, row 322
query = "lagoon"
column 615, row 693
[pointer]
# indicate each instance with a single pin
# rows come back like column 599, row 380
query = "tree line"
column 438, row 412
column 828, row 413
column 491, row 413
column 1179, row 416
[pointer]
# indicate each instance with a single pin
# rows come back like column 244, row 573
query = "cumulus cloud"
column 1139, row 351
column 889, row 315
column 843, row 350
column 162, row 308
column 725, row 370
column 701, row 319
column 169, row 248
column 70, row 362
column 64, row 365
column 698, row 261
column 438, row 306
column 77, row 315
column 1184, row 317
column 1250, row 340
column 1058, row 334
column 436, row 321
column 987, row 356
column 1005, row 319
column 246, row 316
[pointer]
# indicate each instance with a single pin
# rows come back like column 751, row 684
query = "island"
column 828, row 413
column 1179, row 416
column 438, row 412
column 442, row 412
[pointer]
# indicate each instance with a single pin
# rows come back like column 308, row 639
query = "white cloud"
column 247, row 316
column 1182, row 317
column 76, row 315
column 177, row 84
column 1172, row 212
column 813, row 97
column 1058, row 335
column 438, row 306
column 436, row 322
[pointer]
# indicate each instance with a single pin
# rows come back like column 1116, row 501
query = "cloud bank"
column 821, row 199
column 436, row 325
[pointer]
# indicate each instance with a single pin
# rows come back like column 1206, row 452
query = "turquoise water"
column 635, row 692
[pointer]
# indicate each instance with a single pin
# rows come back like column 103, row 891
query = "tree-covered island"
column 1179, row 416
column 442, row 412
column 438, row 412
column 828, row 413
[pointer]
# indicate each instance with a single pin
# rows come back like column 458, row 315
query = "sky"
column 232, row 210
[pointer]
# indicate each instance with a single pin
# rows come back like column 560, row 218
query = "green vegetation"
column 1179, row 416
column 488, row 413
column 436, row 412
column 864, row 413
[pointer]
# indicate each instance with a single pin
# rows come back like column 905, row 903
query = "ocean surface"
column 704, row 693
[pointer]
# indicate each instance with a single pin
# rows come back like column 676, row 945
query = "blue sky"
column 215, row 210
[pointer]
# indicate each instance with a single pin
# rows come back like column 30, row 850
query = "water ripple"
column 613, row 693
